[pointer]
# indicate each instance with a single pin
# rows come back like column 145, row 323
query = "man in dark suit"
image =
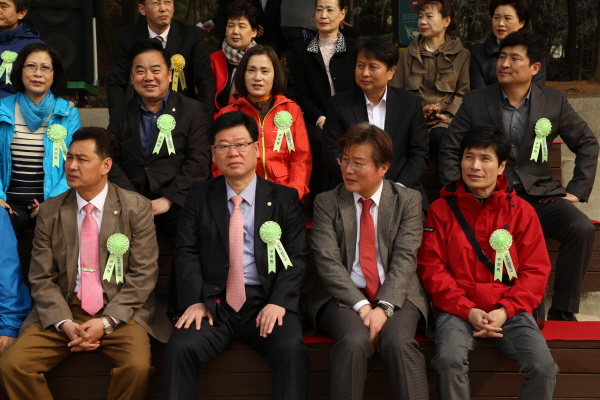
column 236, row 288
column 396, row 111
column 177, row 38
column 365, row 236
column 522, row 109
column 80, row 304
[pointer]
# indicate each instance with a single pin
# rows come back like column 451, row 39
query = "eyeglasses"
column 239, row 147
column 344, row 162
column 33, row 67
column 166, row 3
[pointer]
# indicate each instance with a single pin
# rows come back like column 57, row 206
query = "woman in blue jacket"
column 36, row 127
column 15, row 302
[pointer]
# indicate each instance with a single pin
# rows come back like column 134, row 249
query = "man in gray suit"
column 532, row 117
column 365, row 236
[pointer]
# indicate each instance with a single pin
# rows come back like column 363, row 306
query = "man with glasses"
column 234, row 285
column 177, row 38
column 365, row 236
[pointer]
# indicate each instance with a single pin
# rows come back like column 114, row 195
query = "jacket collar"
column 340, row 46
column 466, row 200
column 7, row 108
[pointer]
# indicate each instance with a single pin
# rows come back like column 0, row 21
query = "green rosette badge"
column 501, row 240
column 117, row 245
column 8, row 58
column 57, row 134
column 543, row 127
column 165, row 124
column 270, row 233
column 283, row 121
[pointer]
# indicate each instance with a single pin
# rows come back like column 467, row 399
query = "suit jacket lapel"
column 348, row 213
column 493, row 102
column 110, row 222
column 216, row 195
column 359, row 106
column 68, row 219
column 385, row 211
column 173, row 39
column 536, row 112
column 390, row 114
column 262, row 214
column 133, row 116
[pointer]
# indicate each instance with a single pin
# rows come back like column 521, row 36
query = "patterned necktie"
column 162, row 40
column 90, row 288
column 236, row 291
column 367, row 249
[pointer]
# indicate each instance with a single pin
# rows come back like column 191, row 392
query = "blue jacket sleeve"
column 15, row 302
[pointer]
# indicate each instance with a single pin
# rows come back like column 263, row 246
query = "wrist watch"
column 107, row 326
column 389, row 311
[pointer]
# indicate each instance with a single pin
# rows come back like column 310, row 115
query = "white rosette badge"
column 501, row 240
column 270, row 233
column 177, row 65
column 8, row 58
column 165, row 124
column 57, row 134
column 283, row 121
column 543, row 127
column 117, row 245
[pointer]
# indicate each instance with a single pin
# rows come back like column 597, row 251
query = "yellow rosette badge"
column 8, row 58
column 165, row 124
column 543, row 127
column 57, row 134
column 501, row 240
column 283, row 121
column 177, row 65
column 270, row 233
column 117, row 245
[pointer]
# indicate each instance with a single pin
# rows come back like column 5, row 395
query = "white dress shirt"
column 356, row 274
column 164, row 35
column 377, row 113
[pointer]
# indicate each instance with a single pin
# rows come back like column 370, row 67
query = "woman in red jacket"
column 284, row 150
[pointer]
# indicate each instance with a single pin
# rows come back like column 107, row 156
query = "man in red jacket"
column 478, row 298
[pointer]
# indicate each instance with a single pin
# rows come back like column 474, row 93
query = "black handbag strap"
column 471, row 238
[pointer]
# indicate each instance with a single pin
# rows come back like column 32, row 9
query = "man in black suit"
column 236, row 288
column 522, row 109
column 179, row 39
column 396, row 111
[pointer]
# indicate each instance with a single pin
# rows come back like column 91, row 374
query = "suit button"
column 217, row 288
column 146, row 168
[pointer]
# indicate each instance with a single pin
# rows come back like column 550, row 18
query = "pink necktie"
column 90, row 287
column 236, row 291
column 367, row 249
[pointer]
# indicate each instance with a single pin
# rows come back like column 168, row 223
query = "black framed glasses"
column 239, row 147
column 31, row 67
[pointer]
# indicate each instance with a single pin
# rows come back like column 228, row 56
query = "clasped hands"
column 430, row 109
column 374, row 318
column 487, row 325
column 266, row 319
column 86, row 336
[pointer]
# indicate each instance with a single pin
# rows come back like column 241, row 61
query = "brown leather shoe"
column 558, row 315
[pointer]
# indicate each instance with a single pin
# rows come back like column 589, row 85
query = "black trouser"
column 564, row 222
column 21, row 217
column 190, row 349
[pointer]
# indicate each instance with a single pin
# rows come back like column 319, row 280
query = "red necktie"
column 90, row 287
column 236, row 291
column 367, row 249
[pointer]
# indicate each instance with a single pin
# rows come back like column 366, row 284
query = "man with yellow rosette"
column 483, row 262
column 240, row 261
column 93, row 270
column 532, row 117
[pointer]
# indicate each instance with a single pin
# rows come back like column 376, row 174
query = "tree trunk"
column 572, row 39
column 130, row 11
column 103, row 21
column 596, row 74
column 350, row 13
column 197, row 9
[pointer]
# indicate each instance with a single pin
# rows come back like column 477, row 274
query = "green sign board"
column 408, row 21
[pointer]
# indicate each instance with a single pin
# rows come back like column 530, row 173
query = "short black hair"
column 21, row 5
column 379, row 49
column 231, row 120
column 106, row 142
column 279, row 79
column 445, row 9
column 59, row 82
column 522, row 8
column 341, row 4
column 241, row 8
column 483, row 137
column 534, row 44
column 146, row 46
column 382, row 148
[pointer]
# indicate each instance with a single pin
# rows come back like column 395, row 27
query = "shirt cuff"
column 386, row 303
column 117, row 320
column 60, row 323
column 211, row 23
column 358, row 305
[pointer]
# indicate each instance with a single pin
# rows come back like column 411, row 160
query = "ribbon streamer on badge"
column 8, row 58
column 270, row 233
column 166, row 124
column 57, row 134
column 542, row 129
column 177, row 65
column 117, row 245
column 501, row 240
column 283, row 121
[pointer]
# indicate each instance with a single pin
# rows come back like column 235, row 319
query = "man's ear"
column 535, row 68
